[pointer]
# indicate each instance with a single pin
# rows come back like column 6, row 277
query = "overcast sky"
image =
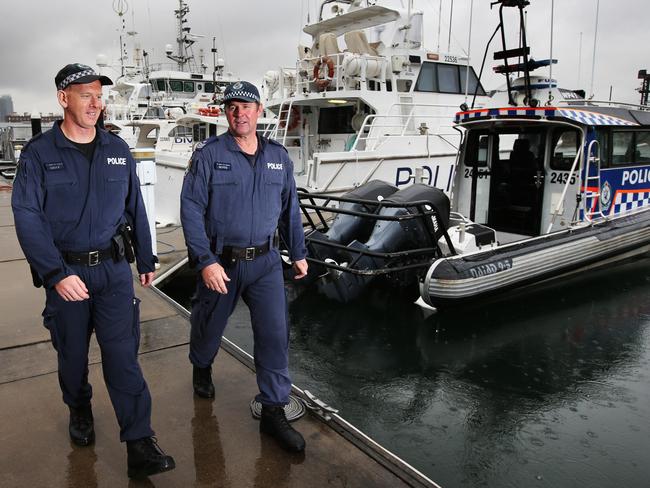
column 253, row 36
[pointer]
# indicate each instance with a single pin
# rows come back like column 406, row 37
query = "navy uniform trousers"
column 261, row 285
column 113, row 313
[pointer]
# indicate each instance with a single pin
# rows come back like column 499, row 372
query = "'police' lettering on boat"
column 636, row 176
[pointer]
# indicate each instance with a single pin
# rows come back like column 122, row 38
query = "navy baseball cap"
column 74, row 74
column 243, row 91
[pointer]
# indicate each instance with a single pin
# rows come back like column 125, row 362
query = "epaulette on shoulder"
column 204, row 143
column 276, row 143
column 34, row 138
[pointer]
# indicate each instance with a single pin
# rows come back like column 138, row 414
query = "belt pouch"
column 117, row 245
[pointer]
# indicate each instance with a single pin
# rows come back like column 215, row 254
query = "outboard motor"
column 392, row 236
column 347, row 228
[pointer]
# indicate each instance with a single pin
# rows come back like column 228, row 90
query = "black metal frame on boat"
column 425, row 211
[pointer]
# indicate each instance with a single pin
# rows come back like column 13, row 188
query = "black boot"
column 274, row 422
column 202, row 381
column 81, row 427
column 145, row 458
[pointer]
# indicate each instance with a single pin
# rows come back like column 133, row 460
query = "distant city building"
column 6, row 107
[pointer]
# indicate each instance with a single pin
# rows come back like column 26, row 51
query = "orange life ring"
column 210, row 111
column 294, row 119
column 321, row 81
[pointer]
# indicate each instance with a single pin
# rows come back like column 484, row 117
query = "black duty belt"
column 230, row 254
column 90, row 258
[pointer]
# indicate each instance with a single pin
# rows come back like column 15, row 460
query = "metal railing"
column 422, row 210
column 377, row 129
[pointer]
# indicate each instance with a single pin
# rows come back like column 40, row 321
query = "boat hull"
column 460, row 279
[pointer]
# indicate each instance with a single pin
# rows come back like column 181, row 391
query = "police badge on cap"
column 242, row 91
column 76, row 73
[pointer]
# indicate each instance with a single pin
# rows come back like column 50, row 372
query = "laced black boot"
column 81, row 427
column 274, row 422
column 202, row 382
column 145, row 458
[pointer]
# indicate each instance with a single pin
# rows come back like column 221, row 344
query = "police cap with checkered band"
column 75, row 73
column 242, row 91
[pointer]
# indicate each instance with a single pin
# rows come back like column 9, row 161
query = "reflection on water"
column 547, row 388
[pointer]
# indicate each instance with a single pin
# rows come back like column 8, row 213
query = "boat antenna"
column 121, row 7
column 550, row 65
column 480, row 73
column 214, row 69
column 451, row 16
column 593, row 59
column 439, row 22
column 579, row 59
column 469, row 49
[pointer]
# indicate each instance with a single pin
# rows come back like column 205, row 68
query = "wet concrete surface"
column 214, row 443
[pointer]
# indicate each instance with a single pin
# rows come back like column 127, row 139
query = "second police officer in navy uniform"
column 239, row 188
column 76, row 185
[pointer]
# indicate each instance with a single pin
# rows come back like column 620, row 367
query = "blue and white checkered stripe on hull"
column 625, row 201
column 501, row 112
column 592, row 118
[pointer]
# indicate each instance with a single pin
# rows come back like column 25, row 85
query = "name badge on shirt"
column 222, row 166
column 54, row 166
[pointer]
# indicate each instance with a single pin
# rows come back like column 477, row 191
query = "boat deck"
column 214, row 443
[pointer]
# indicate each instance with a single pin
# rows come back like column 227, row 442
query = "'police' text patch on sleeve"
column 222, row 166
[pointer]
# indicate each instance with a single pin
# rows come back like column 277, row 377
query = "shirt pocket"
column 225, row 190
column 273, row 185
column 116, row 189
column 61, row 189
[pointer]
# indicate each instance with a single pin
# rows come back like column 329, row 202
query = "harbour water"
column 547, row 388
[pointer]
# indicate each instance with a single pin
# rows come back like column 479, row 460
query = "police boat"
column 542, row 189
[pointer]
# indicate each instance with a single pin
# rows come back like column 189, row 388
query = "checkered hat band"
column 240, row 94
column 74, row 77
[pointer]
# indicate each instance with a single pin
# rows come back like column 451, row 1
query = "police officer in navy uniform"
column 75, row 187
column 238, row 189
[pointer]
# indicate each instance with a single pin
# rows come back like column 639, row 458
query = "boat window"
column 428, row 79
column 404, row 85
column 447, row 78
column 602, row 136
column 642, row 145
column 158, row 85
column 335, row 120
column 565, row 148
column 622, row 147
column 199, row 132
column 154, row 113
column 209, row 87
column 176, row 85
column 476, row 154
column 188, row 86
column 473, row 82
column 180, row 131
